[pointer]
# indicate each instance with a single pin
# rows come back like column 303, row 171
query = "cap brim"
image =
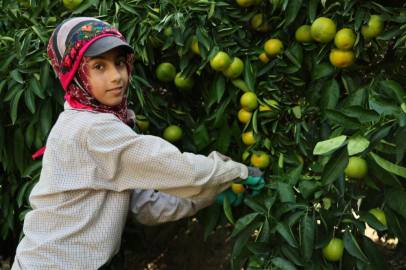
column 105, row 44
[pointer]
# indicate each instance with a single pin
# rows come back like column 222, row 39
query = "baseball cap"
column 105, row 44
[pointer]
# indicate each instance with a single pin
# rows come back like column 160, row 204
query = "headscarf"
column 66, row 49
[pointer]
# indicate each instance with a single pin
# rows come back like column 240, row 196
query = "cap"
column 105, row 44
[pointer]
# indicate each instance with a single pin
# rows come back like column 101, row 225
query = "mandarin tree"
column 308, row 98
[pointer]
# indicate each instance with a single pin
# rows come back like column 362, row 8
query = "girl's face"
column 108, row 76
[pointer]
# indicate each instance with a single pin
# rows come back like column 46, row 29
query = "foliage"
column 325, row 115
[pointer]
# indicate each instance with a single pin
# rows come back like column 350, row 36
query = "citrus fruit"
column 184, row 83
column 248, row 138
column 235, row 69
column 264, row 58
column 245, row 3
column 142, row 122
column 342, row 58
column 245, row 156
column 345, row 39
column 266, row 107
column 165, row 72
column 256, row 21
column 374, row 27
column 260, row 161
column 273, row 47
column 237, row 188
column 244, row 116
column 72, row 4
column 168, row 31
column 195, row 46
column 357, row 168
column 380, row 215
column 323, row 30
column 334, row 250
column 303, row 35
column 249, row 101
column 172, row 133
column 220, row 62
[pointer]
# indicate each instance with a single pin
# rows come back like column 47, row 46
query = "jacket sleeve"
column 121, row 159
column 151, row 207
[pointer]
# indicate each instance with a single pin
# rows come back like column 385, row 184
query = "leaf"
column 46, row 117
column 283, row 263
column 19, row 148
column 292, row 254
column 393, row 89
column 21, row 192
column 390, row 33
column 83, row 6
column 343, row 120
column 292, row 10
column 208, row 218
column 242, row 239
column 293, row 174
column 400, row 144
column 223, row 139
column 242, row 223
column 29, row 100
column 44, row 75
column 396, row 200
column 286, row 193
column 249, row 76
column 308, row 188
column 358, row 97
column 389, row 166
column 259, row 247
column 374, row 254
column 255, row 205
column 357, row 143
column 324, row 147
column 352, row 247
column 329, row 97
column 201, row 137
column 36, row 87
column 383, row 104
column 16, row 76
column 362, row 114
column 371, row 220
column 312, row 9
column 396, row 224
column 14, row 106
column 335, row 166
column 228, row 210
column 321, row 70
column 220, row 87
column 307, row 237
column 283, row 229
column 31, row 168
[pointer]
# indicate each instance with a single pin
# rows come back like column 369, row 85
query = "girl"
column 94, row 161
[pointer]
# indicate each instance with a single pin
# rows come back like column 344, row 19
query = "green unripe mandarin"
column 172, row 134
column 165, row 72
column 357, row 168
column 334, row 250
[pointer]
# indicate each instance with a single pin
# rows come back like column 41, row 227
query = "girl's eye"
column 98, row 67
column 120, row 63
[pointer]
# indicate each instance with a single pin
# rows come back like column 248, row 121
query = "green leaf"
column 255, row 205
column 374, row 254
column 396, row 223
column 208, row 218
column 30, row 100
column 329, row 97
column 242, row 223
column 321, row 70
column 293, row 174
column 390, row 33
column 46, row 117
column 220, row 87
column 335, row 166
column 291, row 11
column 242, row 239
column 307, row 237
column 362, row 114
column 396, row 199
column 223, row 139
column 249, row 76
column 286, row 193
column 292, row 254
column 221, row 110
column 228, row 210
column 357, row 143
column 14, row 106
column 31, row 168
column 371, row 220
column 308, row 188
column 352, row 247
column 358, row 97
column 84, row 5
column 343, row 120
column 201, row 137
column 383, row 104
column 21, row 192
column 283, row 263
column 283, row 229
column 400, row 144
column 389, row 166
column 36, row 87
column 312, row 9
column 393, row 89
column 16, row 76
column 259, row 247
column 327, row 146
column 203, row 37
column 19, row 148
column 44, row 75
